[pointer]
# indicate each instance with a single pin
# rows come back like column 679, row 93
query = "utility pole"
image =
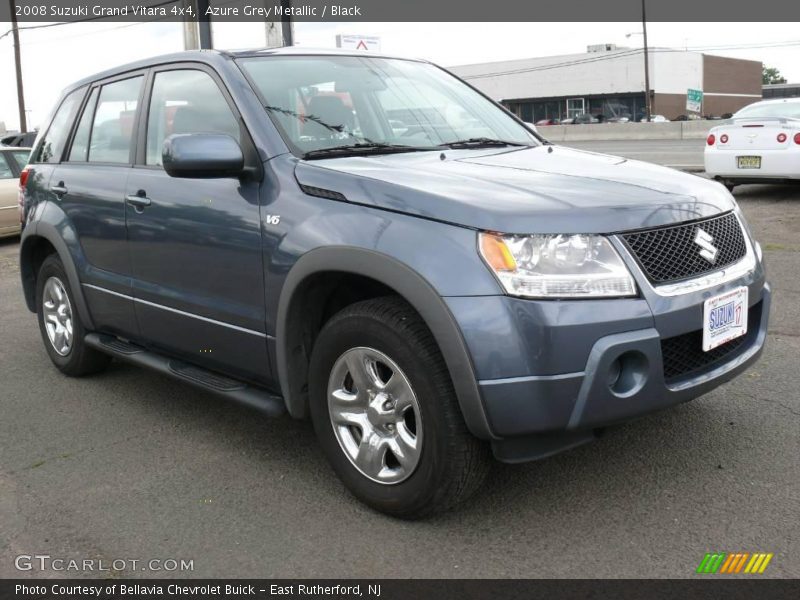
column 286, row 24
column 646, row 66
column 23, row 122
column 191, row 36
column 204, row 25
column 197, row 31
column 274, row 33
column 279, row 34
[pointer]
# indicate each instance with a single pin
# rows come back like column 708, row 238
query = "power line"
column 85, row 20
column 96, row 32
column 627, row 53
column 133, row 24
column 578, row 61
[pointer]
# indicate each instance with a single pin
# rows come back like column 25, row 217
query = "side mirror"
column 202, row 156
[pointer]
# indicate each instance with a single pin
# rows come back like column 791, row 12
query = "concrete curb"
column 675, row 130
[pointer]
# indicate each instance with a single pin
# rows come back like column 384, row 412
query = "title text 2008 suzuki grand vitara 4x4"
column 371, row 243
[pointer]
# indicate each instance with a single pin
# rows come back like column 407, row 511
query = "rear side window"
column 186, row 101
column 52, row 144
column 112, row 126
column 5, row 168
column 22, row 157
column 80, row 143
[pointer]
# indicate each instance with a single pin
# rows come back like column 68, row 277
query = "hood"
column 546, row 189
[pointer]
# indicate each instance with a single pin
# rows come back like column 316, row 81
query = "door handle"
column 138, row 200
column 59, row 190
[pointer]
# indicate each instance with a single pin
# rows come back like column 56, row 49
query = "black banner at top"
column 401, row 10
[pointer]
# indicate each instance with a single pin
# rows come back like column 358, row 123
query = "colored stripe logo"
column 734, row 562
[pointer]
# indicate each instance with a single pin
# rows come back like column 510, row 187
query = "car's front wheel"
column 60, row 325
column 385, row 412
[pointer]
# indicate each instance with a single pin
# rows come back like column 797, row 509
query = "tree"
column 771, row 75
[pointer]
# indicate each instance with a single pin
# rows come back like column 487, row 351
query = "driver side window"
column 186, row 101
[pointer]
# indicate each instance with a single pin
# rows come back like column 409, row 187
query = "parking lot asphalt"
column 680, row 154
column 131, row 465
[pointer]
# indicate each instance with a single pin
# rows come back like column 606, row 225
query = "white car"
column 759, row 143
column 655, row 119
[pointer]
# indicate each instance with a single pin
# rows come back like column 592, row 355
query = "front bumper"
column 553, row 372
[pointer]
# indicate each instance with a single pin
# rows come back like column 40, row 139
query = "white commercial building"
column 609, row 82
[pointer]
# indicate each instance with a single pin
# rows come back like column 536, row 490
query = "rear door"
column 89, row 185
column 50, row 149
column 9, row 188
column 195, row 244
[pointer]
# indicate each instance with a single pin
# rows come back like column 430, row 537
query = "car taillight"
column 797, row 138
column 23, row 181
column 723, row 139
column 23, row 178
column 781, row 137
column 711, row 139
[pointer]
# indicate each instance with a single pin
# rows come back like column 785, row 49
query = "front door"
column 195, row 244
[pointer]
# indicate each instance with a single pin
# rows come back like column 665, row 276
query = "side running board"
column 221, row 385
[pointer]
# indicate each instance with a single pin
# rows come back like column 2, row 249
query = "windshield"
column 321, row 102
column 790, row 110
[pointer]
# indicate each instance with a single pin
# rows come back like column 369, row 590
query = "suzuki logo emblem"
column 708, row 250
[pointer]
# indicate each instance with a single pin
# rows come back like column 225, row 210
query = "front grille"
column 683, row 355
column 668, row 254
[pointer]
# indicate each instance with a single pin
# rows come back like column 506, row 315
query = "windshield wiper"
column 482, row 142
column 360, row 149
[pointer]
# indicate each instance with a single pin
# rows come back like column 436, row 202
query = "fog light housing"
column 628, row 373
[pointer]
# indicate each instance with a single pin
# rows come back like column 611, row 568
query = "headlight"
column 557, row 266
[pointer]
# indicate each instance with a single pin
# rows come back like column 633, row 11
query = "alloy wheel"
column 375, row 415
column 57, row 315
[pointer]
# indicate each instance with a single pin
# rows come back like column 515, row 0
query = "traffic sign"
column 694, row 100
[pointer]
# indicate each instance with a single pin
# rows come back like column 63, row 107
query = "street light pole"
column 647, row 106
column 23, row 122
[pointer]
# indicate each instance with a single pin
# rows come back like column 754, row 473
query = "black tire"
column 730, row 186
column 452, row 463
column 80, row 359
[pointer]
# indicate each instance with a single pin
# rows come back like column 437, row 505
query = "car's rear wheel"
column 60, row 325
column 385, row 412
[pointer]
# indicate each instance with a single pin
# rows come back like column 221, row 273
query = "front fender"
column 416, row 290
